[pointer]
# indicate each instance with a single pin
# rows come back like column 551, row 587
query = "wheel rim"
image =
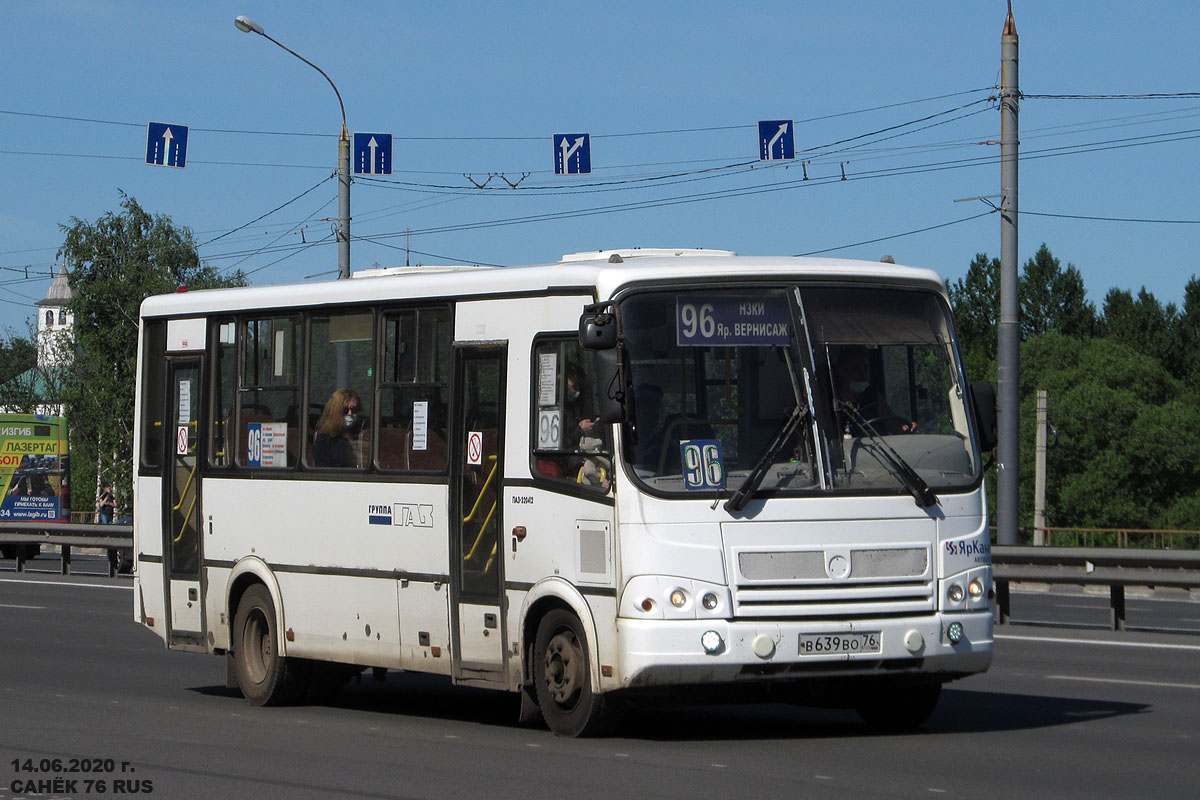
column 564, row 669
column 258, row 646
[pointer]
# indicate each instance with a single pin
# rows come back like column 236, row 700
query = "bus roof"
column 603, row 275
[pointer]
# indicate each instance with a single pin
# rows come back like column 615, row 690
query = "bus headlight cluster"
column 663, row 597
column 975, row 589
column 955, row 593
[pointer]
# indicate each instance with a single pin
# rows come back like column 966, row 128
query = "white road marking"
column 10, row 605
column 64, row 583
column 1157, row 684
column 1099, row 642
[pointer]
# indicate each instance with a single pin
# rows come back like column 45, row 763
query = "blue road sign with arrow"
column 776, row 140
column 572, row 153
column 372, row 154
column 166, row 144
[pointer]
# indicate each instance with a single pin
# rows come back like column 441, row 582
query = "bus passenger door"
column 182, row 550
column 477, row 470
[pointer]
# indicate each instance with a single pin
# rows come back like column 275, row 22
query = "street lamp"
column 247, row 25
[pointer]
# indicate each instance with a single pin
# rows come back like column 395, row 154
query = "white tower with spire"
column 54, row 322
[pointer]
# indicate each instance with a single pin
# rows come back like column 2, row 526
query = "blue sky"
column 480, row 88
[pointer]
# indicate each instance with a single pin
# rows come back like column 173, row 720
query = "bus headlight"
column 975, row 588
column 955, row 593
column 709, row 601
column 679, row 598
column 955, row 632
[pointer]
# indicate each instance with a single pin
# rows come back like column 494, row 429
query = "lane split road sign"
column 166, row 144
column 776, row 140
column 572, row 153
column 372, row 154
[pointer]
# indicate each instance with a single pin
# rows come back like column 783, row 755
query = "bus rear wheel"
column 562, row 678
column 264, row 675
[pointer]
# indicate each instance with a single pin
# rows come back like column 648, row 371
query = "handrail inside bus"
column 484, row 525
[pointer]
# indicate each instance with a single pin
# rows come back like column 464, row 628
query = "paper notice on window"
column 420, row 426
column 185, row 402
column 547, row 378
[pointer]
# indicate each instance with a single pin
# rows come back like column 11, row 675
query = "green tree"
column 18, row 365
column 976, row 303
column 1128, row 452
column 114, row 263
column 1143, row 324
column 1053, row 299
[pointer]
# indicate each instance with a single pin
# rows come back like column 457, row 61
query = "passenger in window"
column 338, row 431
column 577, row 425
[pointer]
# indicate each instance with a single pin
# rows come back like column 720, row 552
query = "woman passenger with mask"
column 338, row 429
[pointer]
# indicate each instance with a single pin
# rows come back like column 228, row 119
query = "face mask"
column 858, row 387
column 572, row 395
column 353, row 423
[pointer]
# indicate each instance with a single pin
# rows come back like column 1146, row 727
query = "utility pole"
column 1008, row 352
column 1039, row 481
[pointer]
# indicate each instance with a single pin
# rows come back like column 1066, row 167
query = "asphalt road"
column 1064, row 713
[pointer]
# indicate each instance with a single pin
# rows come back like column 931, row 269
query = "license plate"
column 824, row 644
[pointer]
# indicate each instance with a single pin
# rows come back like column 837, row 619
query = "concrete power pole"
column 1008, row 352
column 1039, row 481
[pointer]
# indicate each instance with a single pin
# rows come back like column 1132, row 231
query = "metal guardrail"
column 1093, row 566
column 113, row 538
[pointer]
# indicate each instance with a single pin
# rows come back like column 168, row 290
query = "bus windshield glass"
column 795, row 390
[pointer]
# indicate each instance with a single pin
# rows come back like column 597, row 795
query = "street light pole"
column 247, row 25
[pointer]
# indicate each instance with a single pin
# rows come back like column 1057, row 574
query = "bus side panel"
column 149, row 601
column 340, row 551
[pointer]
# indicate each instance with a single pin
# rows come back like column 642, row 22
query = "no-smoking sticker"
column 475, row 448
column 181, row 440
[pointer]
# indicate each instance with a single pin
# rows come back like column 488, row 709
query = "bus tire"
column 562, row 678
column 898, row 707
column 264, row 675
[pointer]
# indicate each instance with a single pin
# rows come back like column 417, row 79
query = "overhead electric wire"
column 898, row 235
column 498, row 138
column 269, row 213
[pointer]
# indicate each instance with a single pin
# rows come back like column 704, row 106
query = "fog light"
column 955, row 632
column 678, row 598
column 712, row 642
column 976, row 588
column 955, row 594
column 709, row 601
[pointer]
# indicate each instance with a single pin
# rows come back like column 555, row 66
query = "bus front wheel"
column 562, row 676
column 264, row 675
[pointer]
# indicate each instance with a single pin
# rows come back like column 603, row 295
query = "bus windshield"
column 795, row 389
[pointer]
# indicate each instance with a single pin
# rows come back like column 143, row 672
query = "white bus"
column 630, row 470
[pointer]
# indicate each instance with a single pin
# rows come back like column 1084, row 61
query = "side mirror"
column 597, row 328
column 610, row 393
column 983, row 404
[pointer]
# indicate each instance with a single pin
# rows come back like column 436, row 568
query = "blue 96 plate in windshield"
column 753, row 320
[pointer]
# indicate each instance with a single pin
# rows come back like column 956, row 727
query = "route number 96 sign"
column 703, row 467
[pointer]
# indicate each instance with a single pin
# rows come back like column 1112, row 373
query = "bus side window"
column 567, row 443
column 414, row 394
column 269, row 388
column 340, row 385
column 154, row 365
column 224, row 391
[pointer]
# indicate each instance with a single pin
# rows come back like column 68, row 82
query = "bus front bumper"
column 682, row 652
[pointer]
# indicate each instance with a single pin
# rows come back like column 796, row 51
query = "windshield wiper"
column 742, row 496
column 916, row 485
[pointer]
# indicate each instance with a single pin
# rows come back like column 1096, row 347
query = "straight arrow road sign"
column 166, row 144
column 372, row 154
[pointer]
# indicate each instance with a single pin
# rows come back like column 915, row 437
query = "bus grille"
column 846, row 583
